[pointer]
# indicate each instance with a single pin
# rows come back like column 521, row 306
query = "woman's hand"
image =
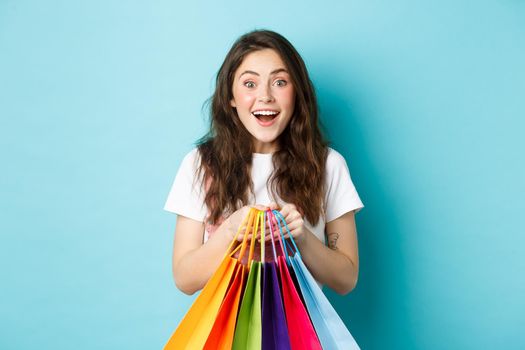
column 235, row 220
column 294, row 221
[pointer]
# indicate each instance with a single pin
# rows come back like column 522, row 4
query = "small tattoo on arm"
column 332, row 240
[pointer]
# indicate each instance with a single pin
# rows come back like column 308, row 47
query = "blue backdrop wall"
column 100, row 100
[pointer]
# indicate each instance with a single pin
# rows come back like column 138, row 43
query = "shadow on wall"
column 381, row 292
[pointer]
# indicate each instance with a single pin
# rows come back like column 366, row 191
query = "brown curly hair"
column 226, row 150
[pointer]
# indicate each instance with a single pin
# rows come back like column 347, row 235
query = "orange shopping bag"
column 194, row 329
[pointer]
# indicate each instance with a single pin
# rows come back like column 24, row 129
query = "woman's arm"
column 194, row 262
column 336, row 265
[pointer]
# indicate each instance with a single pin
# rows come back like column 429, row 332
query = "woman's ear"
column 232, row 103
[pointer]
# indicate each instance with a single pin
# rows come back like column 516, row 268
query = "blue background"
column 100, row 100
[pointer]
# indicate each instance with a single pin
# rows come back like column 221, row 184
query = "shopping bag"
column 248, row 329
column 274, row 327
column 300, row 328
column 221, row 335
column 329, row 327
column 194, row 329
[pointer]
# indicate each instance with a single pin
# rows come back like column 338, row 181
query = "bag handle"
column 268, row 213
column 248, row 218
column 295, row 250
column 282, row 241
column 271, row 216
column 254, row 236
column 263, row 234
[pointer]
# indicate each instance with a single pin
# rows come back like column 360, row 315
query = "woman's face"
column 264, row 97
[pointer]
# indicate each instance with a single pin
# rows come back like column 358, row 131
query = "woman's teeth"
column 265, row 112
column 265, row 115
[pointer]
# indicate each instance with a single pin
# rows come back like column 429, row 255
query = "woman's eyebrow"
column 278, row 70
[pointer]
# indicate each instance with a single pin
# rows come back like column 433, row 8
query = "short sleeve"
column 341, row 194
column 186, row 195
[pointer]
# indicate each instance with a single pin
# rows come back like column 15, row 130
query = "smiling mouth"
column 265, row 117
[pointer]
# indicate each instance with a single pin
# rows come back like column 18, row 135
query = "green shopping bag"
column 248, row 331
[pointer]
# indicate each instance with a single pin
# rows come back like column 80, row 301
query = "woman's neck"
column 264, row 148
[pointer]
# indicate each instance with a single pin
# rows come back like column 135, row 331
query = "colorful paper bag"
column 329, row 327
column 300, row 328
column 248, row 330
column 195, row 328
column 274, row 327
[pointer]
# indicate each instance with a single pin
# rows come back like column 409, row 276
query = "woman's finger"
column 285, row 210
column 274, row 206
column 276, row 235
column 293, row 215
column 260, row 207
column 269, row 236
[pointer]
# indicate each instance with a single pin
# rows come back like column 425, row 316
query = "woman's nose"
column 266, row 95
column 266, row 99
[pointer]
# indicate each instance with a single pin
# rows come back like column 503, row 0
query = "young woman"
column 264, row 150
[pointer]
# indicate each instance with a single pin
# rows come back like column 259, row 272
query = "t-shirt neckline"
column 262, row 155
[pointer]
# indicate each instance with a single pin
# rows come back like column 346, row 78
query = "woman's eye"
column 281, row 82
column 249, row 84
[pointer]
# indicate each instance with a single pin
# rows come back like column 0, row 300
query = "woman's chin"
column 264, row 141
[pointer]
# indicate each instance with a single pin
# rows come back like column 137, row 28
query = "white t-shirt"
column 186, row 196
